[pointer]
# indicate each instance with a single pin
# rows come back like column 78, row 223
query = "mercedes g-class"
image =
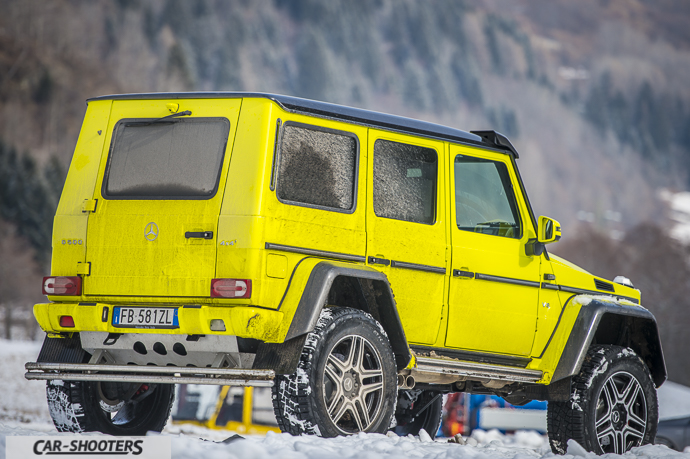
column 361, row 264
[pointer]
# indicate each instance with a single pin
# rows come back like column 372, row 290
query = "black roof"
column 341, row 112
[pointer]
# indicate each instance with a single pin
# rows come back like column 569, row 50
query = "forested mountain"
column 593, row 94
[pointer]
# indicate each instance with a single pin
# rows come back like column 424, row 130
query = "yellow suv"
column 361, row 264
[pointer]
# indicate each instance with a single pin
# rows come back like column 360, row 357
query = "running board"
column 149, row 374
column 473, row 370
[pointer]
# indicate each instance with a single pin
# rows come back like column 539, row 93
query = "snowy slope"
column 522, row 445
column 679, row 214
column 674, row 400
column 23, row 412
column 21, row 400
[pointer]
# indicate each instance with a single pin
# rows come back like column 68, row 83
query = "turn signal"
column 62, row 286
column 231, row 288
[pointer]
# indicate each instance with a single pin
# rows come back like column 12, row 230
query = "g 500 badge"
column 84, row 446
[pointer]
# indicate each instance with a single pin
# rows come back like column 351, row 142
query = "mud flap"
column 280, row 357
column 63, row 350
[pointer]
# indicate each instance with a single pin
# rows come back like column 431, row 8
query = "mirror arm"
column 534, row 247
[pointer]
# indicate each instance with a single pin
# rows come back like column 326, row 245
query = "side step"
column 149, row 374
column 471, row 370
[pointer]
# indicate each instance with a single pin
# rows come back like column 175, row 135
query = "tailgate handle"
column 199, row 234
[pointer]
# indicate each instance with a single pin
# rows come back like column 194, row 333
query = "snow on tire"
column 612, row 407
column 345, row 381
column 65, row 411
column 77, row 406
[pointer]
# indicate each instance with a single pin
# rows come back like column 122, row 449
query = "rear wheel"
column 612, row 407
column 111, row 408
column 345, row 381
column 417, row 410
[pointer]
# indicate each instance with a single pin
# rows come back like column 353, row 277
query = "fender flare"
column 609, row 321
column 380, row 304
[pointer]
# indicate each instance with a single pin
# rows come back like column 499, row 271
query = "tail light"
column 62, row 286
column 231, row 288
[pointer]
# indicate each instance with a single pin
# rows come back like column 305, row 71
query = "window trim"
column 436, row 182
column 106, row 173
column 279, row 156
column 276, row 147
column 515, row 202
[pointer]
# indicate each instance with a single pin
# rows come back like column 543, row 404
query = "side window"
column 484, row 198
column 195, row 402
column 405, row 182
column 262, row 409
column 232, row 407
column 317, row 167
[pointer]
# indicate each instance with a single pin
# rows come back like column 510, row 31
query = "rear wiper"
column 165, row 119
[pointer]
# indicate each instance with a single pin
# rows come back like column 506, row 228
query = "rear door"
column 158, row 198
column 315, row 187
column 406, row 229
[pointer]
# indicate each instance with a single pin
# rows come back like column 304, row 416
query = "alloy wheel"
column 621, row 414
column 353, row 382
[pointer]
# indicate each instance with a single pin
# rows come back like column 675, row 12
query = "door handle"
column 199, row 234
column 461, row 273
column 379, row 261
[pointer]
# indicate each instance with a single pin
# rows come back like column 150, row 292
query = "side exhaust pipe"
column 406, row 382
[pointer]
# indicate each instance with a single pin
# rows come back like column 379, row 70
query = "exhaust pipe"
column 406, row 382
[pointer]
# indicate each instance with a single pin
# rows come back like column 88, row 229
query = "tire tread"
column 568, row 420
column 292, row 394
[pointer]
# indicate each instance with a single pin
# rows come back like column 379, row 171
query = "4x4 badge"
column 151, row 231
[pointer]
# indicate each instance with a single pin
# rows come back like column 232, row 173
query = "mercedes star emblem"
column 151, row 231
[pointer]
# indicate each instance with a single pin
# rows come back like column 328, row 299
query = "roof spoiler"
column 498, row 139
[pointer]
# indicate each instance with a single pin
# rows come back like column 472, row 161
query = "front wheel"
column 120, row 409
column 612, row 407
column 345, row 381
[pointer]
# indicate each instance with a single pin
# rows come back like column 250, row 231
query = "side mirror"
column 549, row 230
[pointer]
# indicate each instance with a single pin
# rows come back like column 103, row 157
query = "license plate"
column 124, row 316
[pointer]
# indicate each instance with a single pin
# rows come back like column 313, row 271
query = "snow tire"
column 345, row 382
column 76, row 406
column 613, row 404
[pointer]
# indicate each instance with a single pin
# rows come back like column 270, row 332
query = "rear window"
column 175, row 159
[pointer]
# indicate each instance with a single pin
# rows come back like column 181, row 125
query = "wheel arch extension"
column 360, row 288
column 615, row 323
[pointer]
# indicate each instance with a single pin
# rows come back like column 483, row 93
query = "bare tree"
column 20, row 283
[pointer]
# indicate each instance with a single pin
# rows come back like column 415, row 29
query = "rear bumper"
column 240, row 321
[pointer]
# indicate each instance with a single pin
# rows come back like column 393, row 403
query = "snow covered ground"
column 674, row 400
column 679, row 206
column 21, row 400
column 23, row 412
